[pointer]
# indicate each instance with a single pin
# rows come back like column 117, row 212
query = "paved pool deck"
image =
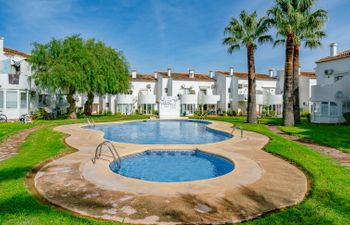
column 260, row 183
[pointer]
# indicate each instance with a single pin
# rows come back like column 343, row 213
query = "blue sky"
column 157, row 34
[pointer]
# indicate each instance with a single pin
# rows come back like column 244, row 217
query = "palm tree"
column 294, row 20
column 248, row 31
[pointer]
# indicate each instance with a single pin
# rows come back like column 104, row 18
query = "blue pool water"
column 173, row 166
column 162, row 132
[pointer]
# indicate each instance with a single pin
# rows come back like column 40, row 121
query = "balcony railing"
column 147, row 99
column 188, row 99
column 209, row 99
column 124, row 99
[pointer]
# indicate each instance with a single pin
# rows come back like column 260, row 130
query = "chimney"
column 231, row 71
column 333, row 49
column 169, row 72
column 155, row 75
column 191, row 73
column 211, row 74
column 133, row 74
column 1, row 44
column 271, row 73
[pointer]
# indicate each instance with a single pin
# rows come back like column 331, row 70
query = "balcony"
column 124, row 99
column 209, row 99
column 147, row 99
column 188, row 99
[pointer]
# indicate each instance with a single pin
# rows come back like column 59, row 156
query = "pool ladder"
column 90, row 121
column 113, row 151
column 238, row 127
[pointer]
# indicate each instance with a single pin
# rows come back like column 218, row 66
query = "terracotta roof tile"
column 185, row 76
column 10, row 51
column 311, row 75
column 143, row 77
column 341, row 55
column 241, row 75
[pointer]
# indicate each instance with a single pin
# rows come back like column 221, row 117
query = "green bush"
column 197, row 112
column 155, row 112
column 108, row 113
column 118, row 114
column 231, row 113
column 39, row 114
column 346, row 116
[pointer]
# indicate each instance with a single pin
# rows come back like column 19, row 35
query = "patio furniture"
column 3, row 118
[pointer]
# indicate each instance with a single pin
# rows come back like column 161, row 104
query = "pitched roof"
column 10, row 51
column 244, row 76
column 143, row 77
column 311, row 75
column 185, row 76
column 341, row 55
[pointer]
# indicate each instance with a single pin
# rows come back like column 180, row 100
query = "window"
column 336, row 78
column 346, row 106
column 23, row 100
column 166, row 90
column 324, row 109
column 11, row 99
column 240, row 85
column 1, row 99
column 333, row 112
column 229, row 90
column 13, row 78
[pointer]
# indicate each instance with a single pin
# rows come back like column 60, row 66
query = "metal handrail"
column 90, row 121
column 112, row 149
column 203, row 116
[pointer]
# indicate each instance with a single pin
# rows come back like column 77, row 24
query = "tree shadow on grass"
column 13, row 173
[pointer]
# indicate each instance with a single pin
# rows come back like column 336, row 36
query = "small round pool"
column 173, row 166
column 162, row 132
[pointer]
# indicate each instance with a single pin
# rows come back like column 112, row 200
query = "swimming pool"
column 173, row 165
column 162, row 132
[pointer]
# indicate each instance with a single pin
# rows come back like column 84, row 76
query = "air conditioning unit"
column 328, row 71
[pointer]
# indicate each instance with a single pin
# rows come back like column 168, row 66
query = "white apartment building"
column 232, row 86
column 331, row 95
column 14, row 82
column 214, row 92
column 306, row 81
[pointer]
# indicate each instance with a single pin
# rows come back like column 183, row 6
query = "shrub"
column 155, row 112
column 307, row 115
column 39, row 114
column 346, row 116
column 197, row 112
column 108, row 113
column 118, row 114
column 231, row 113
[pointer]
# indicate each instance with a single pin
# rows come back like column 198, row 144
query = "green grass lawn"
column 328, row 202
column 7, row 129
column 337, row 136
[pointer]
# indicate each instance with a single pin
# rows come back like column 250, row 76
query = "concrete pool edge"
column 281, row 185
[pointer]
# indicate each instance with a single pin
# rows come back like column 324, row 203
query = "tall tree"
column 248, row 31
column 75, row 66
column 296, row 22
column 107, row 72
column 59, row 65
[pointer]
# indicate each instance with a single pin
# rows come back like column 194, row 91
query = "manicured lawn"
column 17, row 205
column 328, row 202
column 329, row 199
column 337, row 136
column 7, row 129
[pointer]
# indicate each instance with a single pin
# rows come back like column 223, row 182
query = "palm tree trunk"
column 251, row 117
column 296, row 101
column 72, row 108
column 288, row 113
column 88, row 104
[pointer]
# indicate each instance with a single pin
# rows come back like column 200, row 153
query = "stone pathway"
column 10, row 145
column 339, row 156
